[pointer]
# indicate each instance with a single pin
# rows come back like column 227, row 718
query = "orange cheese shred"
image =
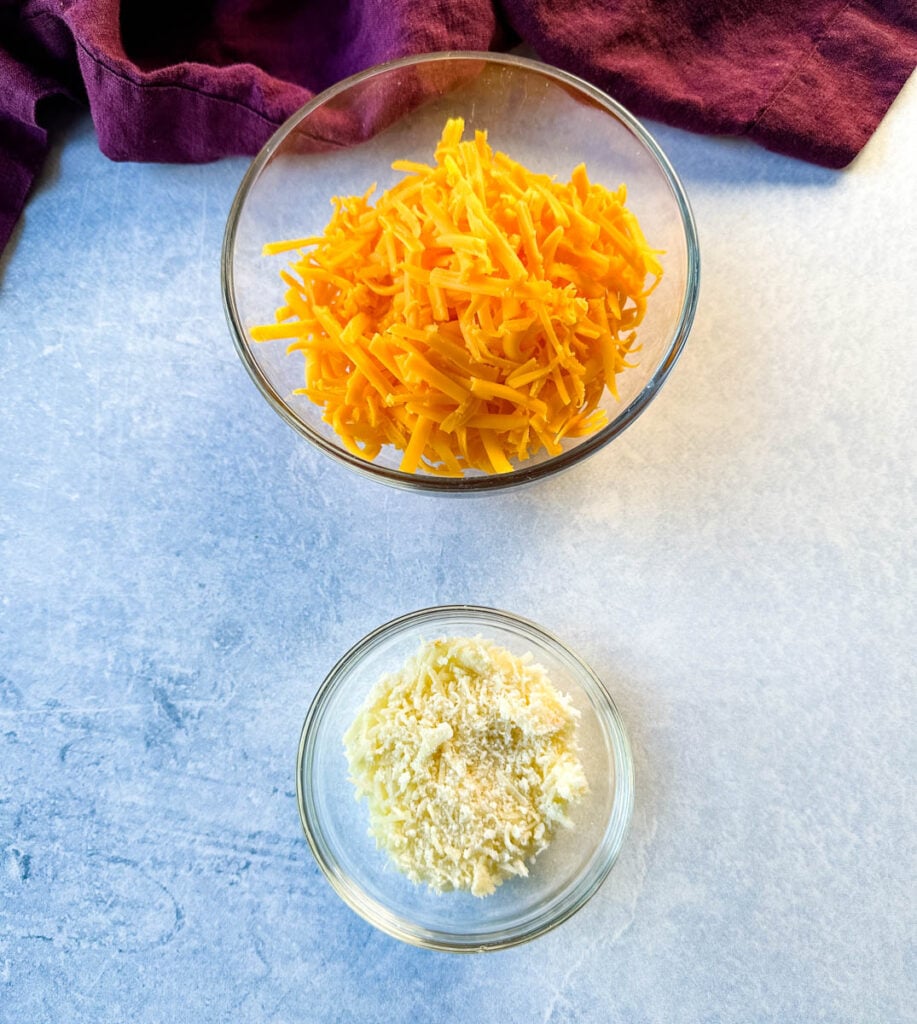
column 472, row 316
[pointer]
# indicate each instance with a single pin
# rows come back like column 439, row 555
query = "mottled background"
column 178, row 571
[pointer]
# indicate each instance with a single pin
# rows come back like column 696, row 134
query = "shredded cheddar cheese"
column 472, row 316
column 467, row 760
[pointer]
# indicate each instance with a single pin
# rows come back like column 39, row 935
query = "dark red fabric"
column 194, row 80
column 808, row 78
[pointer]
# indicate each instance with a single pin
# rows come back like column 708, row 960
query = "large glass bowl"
column 562, row 878
column 345, row 140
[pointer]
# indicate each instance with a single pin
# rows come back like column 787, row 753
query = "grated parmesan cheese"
column 467, row 759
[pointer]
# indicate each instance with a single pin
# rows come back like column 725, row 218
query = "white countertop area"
column 179, row 571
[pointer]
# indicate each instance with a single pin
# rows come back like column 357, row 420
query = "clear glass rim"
column 534, row 924
column 526, row 473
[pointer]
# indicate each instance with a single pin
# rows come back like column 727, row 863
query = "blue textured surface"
column 178, row 571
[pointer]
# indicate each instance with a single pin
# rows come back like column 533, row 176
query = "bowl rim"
column 526, row 473
column 563, row 906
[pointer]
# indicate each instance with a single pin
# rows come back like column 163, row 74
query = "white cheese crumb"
column 467, row 759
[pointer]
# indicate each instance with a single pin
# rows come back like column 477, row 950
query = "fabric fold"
column 840, row 89
column 30, row 77
column 809, row 80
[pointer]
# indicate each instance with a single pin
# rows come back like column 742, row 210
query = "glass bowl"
column 345, row 140
column 561, row 879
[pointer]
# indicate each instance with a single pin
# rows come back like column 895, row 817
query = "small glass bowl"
column 345, row 140
column 562, row 878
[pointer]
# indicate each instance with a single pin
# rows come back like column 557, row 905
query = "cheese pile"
column 467, row 759
column 473, row 315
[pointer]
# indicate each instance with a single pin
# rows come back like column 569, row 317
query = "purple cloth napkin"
column 193, row 80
